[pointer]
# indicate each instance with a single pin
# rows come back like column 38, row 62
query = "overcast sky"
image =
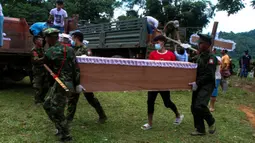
column 240, row 22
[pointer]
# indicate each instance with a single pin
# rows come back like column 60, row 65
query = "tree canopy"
column 192, row 14
column 38, row 10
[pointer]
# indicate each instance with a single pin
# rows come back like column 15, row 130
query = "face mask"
column 73, row 43
column 157, row 46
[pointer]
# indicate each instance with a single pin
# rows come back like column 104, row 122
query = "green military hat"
column 51, row 32
column 204, row 38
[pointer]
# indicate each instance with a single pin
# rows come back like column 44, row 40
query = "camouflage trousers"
column 54, row 106
column 92, row 100
column 41, row 88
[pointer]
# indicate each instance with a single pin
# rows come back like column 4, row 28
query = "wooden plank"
column 214, row 30
column 217, row 43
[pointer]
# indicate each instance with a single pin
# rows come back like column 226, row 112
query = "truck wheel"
column 117, row 56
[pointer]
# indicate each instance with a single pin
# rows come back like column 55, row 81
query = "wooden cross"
column 216, row 43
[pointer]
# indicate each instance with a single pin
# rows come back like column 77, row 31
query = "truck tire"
column 117, row 56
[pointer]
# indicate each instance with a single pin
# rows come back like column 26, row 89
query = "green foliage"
column 38, row 10
column 131, row 14
column 244, row 41
column 231, row 6
column 189, row 13
column 253, row 3
column 32, row 13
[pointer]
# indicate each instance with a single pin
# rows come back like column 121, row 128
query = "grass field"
column 22, row 121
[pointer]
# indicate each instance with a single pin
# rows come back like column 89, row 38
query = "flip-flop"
column 146, row 127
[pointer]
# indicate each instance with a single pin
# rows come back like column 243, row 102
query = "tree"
column 231, row 6
column 38, row 10
column 131, row 14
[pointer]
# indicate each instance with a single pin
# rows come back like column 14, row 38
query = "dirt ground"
column 250, row 113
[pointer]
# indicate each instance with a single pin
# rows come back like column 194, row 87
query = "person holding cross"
column 203, row 87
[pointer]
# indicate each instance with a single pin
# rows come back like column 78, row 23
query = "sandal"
column 146, row 127
column 211, row 109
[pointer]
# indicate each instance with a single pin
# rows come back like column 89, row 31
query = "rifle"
column 56, row 78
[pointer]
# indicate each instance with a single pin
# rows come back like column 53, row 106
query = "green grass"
column 22, row 121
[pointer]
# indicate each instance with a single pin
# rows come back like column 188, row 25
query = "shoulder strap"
column 63, row 62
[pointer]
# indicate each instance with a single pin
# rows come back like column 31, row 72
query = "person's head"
column 38, row 41
column 51, row 35
column 77, row 38
column 182, row 51
column 160, row 42
column 204, row 42
column 223, row 52
column 59, row 4
column 246, row 52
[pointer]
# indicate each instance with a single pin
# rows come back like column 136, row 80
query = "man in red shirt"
column 161, row 54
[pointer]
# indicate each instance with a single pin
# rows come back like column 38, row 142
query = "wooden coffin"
column 113, row 74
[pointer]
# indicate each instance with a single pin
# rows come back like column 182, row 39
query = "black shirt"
column 246, row 59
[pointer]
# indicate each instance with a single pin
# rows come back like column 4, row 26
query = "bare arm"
column 66, row 24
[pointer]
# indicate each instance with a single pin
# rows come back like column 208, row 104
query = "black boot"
column 66, row 139
column 102, row 117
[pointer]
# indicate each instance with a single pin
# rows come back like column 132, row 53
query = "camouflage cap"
column 51, row 32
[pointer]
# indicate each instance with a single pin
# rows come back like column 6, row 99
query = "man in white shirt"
column 152, row 24
column 217, row 83
column 1, row 26
column 59, row 15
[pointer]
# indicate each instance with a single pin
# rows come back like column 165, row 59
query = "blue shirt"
column 38, row 27
column 183, row 57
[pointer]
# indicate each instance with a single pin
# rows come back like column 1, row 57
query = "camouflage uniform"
column 61, row 61
column 40, row 82
column 93, row 101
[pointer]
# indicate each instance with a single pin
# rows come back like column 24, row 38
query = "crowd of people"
column 60, row 57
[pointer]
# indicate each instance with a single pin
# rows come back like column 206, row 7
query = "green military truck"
column 122, row 39
column 15, row 56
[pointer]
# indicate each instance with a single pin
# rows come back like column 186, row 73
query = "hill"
column 244, row 41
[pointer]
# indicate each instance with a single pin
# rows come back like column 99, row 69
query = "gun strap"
column 63, row 62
